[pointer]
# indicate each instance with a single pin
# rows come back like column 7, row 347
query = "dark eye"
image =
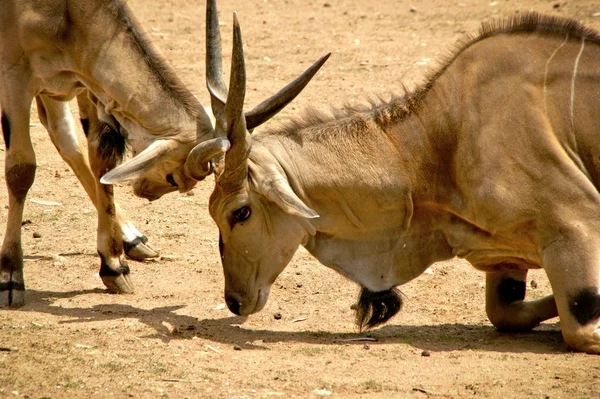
column 242, row 214
column 170, row 180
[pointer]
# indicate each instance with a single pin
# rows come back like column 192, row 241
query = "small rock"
column 169, row 258
column 322, row 392
column 277, row 315
column 236, row 347
column 190, row 193
column 556, row 5
column 26, row 222
column 533, row 284
column 58, row 260
column 299, row 284
column 413, row 9
column 367, row 347
column 425, row 353
column 57, row 174
column 36, row 235
column 354, row 306
column 326, row 5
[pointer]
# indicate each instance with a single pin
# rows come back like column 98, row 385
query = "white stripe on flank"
column 575, row 68
column 548, row 66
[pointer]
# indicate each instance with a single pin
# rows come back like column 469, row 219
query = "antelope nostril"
column 233, row 304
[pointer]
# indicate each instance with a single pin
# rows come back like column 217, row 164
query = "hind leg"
column 572, row 263
column 505, row 302
column 19, row 169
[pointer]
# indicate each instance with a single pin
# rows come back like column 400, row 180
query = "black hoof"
column 12, row 294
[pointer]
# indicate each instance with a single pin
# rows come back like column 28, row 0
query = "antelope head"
column 167, row 164
column 261, row 220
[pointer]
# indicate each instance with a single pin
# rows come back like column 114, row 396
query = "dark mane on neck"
column 348, row 121
column 530, row 22
column 167, row 78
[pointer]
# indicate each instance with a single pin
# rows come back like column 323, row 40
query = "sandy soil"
column 174, row 338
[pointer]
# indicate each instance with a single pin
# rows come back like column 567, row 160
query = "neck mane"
column 167, row 78
column 317, row 126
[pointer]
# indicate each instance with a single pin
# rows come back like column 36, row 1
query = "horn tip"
column 225, row 145
column 106, row 179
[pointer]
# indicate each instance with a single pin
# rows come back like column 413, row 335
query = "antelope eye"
column 170, row 180
column 241, row 214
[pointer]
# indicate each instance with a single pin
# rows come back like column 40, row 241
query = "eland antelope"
column 495, row 160
column 128, row 96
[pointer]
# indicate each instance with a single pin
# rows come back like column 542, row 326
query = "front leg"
column 66, row 141
column 505, row 301
column 106, row 148
column 572, row 262
column 19, row 168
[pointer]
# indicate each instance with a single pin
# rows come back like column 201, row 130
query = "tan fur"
column 485, row 161
column 55, row 50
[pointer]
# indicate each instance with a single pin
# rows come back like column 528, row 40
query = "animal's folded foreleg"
column 505, row 302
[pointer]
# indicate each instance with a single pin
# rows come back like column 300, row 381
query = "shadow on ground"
column 171, row 326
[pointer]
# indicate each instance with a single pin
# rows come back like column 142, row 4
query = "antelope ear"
column 136, row 166
column 280, row 192
column 271, row 182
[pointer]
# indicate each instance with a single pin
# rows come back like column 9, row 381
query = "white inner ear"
column 139, row 164
column 271, row 183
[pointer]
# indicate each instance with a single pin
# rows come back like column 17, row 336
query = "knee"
column 582, row 339
column 583, row 333
column 512, row 318
column 19, row 178
column 506, row 308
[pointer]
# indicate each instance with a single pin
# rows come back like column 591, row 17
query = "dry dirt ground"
column 174, row 338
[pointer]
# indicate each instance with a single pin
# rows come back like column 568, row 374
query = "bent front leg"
column 106, row 148
column 58, row 120
column 505, row 303
column 135, row 243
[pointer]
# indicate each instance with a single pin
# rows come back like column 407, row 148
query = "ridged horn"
column 236, row 169
column 272, row 105
column 197, row 164
column 214, row 65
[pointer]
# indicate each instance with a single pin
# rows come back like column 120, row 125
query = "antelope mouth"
column 240, row 307
column 261, row 301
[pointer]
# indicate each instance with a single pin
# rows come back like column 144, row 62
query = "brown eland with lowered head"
column 128, row 96
column 494, row 159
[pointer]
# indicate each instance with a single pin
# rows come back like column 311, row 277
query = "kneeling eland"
column 494, row 160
